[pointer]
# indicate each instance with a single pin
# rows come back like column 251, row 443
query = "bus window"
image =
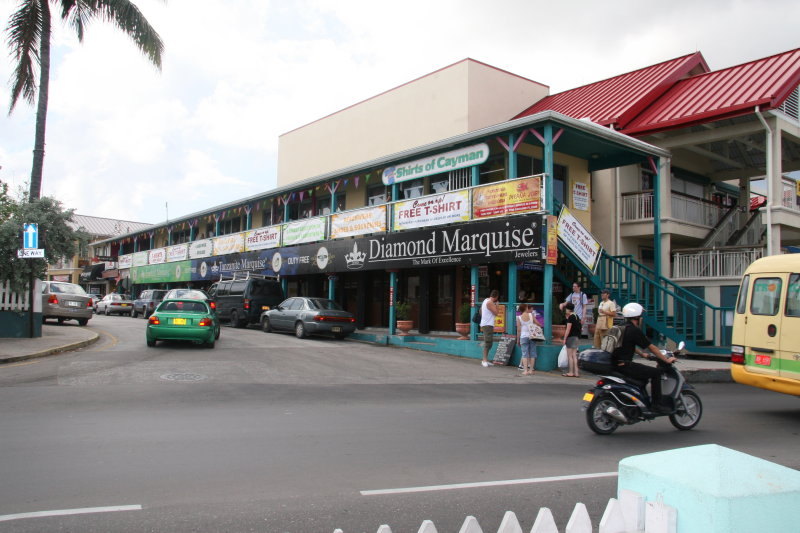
column 793, row 296
column 766, row 296
column 741, row 305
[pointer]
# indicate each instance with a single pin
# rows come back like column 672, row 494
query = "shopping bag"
column 562, row 358
column 537, row 333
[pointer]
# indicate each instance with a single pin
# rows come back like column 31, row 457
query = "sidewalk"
column 60, row 338
column 55, row 338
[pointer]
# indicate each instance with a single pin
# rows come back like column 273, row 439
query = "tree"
column 56, row 236
column 29, row 31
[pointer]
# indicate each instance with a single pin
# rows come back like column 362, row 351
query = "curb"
column 51, row 351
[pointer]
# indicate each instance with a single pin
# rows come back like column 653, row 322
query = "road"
column 271, row 433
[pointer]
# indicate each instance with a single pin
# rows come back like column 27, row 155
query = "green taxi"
column 185, row 320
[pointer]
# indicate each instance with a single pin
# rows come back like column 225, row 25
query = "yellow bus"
column 765, row 347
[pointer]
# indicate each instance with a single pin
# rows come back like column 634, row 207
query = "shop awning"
column 110, row 274
column 92, row 272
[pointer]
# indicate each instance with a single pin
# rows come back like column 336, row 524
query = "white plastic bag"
column 562, row 357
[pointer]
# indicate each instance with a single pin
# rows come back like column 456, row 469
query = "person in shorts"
column 489, row 310
column 571, row 339
column 527, row 344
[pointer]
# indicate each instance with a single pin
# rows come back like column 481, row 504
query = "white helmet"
column 632, row 310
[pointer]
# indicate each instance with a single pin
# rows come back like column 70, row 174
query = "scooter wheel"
column 599, row 421
column 689, row 409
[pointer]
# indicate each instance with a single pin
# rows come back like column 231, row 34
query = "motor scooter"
column 617, row 399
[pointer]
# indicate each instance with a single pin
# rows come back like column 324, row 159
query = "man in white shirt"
column 489, row 310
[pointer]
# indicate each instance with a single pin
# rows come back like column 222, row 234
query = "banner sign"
column 162, row 273
column 157, row 256
column 431, row 210
column 179, row 252
column 552, row 240
column 507, row 197
column 358, row 222
column 308, row 230
column 263, row 238
column 575, row 236
column 512, row 239
column 453, row 160
column 203, row 248
column 126, row 261
column 229, row 244
column 140, row 259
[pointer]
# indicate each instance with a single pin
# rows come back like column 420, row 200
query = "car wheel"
column 107, row 313
column 216, row 334
column 210, row 344
column 235, row 322
column 266, row 327
column 300, row 330
column 83, row 321
column 134, row 314
column 60, row 321
column 340, row 336
column 151, row 343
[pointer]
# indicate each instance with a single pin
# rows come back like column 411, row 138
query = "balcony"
column 711, row 263
column 638, row 207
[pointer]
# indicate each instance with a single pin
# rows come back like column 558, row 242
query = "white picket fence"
column 628, row 514
column 13, row 301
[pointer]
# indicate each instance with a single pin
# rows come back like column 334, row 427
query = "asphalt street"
column 267, row 432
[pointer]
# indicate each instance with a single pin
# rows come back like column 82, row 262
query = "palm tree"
column 29, row 32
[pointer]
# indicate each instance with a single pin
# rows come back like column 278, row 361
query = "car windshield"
column 328, row 305
column 193, row 294
column 67, row 288
column 184, row 307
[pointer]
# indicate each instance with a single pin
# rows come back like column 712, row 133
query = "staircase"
column 671, row 310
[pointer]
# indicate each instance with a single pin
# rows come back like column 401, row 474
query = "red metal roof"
column 722, row 94
column 618, row 100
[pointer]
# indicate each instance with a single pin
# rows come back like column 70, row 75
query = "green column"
column 657, row 217
column 393, row 288
column 548, row 269
column 331, row 287
column 473, row 280
column 249, row 222
column 512, row 157
column 511, row 315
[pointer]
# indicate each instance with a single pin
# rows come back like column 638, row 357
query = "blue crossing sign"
column 30, row 237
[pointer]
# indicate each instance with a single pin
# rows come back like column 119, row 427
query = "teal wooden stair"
column 671, row 310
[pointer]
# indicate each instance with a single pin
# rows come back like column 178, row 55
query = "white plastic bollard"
column 633, row 509
column 384, row 529
column 660, row 518
column 579, row 522
column 544, row 522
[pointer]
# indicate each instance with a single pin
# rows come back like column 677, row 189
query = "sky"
column 127, row 141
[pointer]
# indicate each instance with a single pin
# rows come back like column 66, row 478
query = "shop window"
column 494, row 169
column 179, row 237
column 524, row 166
column 376, row 195
column 323, row 205
column 341, row 201
column 411, row 189
column 233, row 225
column 440, row 183
column 559, row 178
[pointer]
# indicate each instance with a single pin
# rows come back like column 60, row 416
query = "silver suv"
column 66, row 301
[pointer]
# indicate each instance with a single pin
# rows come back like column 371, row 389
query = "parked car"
column 115, row 303
column 242, row 299
column 95, row 298
column 183, row 319
column 309, row 316
column 147, row 302
column 196, row 294
column 65, row 301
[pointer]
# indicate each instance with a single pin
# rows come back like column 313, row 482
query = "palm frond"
column 24, row 36
column 127, row 17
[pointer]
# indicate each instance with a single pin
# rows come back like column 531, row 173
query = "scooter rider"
column 634, row 338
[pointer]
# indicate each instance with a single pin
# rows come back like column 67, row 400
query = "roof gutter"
column 769, row 178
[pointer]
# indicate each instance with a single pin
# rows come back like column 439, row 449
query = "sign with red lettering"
column 578, row 239
column 432, row 210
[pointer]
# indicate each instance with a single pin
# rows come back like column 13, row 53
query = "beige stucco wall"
column 457, row 99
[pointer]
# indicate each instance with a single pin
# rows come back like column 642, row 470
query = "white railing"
column 789, row 196
column 630, row 514
column 712, row 263
column 696, row 210
column 639, row 207
column 14, row 301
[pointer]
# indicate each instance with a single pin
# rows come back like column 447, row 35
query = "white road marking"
column 486, row 484
column 65, row 512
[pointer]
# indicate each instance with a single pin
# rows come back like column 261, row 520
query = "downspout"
column 769, row 178
column 617, row 213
